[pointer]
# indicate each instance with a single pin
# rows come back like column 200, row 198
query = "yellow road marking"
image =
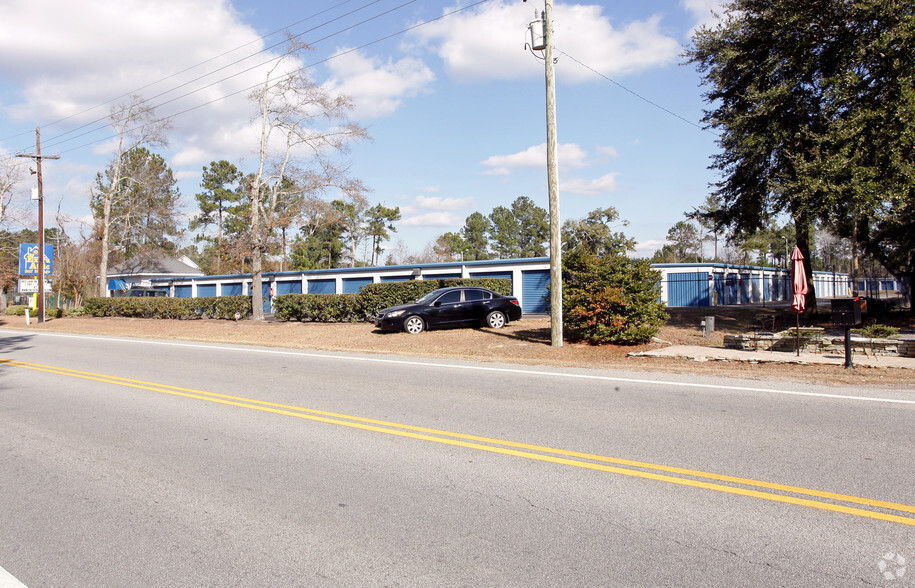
column 546, row 454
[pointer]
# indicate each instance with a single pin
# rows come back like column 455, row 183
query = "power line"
column 58, row 140
column 192, row 67
column 311, row 65
column 637, row 95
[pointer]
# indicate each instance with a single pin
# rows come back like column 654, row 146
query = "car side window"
column 450, row 297
column 473, row 295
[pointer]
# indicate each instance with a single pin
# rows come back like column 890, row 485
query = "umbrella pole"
column 797, row 334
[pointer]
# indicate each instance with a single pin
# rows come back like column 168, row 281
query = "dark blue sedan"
column 460, row 306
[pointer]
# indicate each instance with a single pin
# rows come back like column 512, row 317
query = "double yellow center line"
column 852, row 505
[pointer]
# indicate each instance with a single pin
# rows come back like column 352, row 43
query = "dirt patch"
column 524, row 342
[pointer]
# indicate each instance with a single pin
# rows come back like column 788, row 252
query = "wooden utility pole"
column 37, row 156
column 552, row 166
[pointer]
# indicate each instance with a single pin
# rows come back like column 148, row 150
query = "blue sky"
column 455, row 107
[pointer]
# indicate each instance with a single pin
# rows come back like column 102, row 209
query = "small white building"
column 143, row 273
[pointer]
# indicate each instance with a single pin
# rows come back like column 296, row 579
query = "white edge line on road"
column 341, row 357
column 8, row 580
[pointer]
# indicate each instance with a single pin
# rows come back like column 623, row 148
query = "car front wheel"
column 414, row 325
column 495, row 320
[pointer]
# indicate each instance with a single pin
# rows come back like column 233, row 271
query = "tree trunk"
column 257, row 254
column 257, row 281
column 103, row 265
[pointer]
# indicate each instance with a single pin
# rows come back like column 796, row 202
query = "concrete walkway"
column 698, row 353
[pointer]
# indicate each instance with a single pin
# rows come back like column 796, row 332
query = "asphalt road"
column 144, row 463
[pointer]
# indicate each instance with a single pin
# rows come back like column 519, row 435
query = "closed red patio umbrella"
column 799, row 302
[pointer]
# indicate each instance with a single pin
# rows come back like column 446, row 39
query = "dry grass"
column 524, row 342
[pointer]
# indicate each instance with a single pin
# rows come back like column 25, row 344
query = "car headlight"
column 395, row 314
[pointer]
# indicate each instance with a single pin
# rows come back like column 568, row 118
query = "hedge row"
column 19, row 310
column 370, row 299
column 222, row 307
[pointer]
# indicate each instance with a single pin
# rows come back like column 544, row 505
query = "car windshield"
column 428, row 297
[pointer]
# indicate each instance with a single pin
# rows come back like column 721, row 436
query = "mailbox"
column 848, row 311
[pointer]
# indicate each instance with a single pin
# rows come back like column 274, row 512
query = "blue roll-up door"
column 744, row 288
column 396, row 278
column 182, row 291
column 234, row 289
column 732, row 290
column 353, row 285
column 535, row 292
column 507, row 275
column 206, row 291
column 289, row 287
column 688, row 289
column 447, row 276
column 322, row 286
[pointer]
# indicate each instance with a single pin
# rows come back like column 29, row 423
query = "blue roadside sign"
column 28, row 259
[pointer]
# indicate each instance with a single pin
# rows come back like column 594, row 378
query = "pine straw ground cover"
column 525, row 342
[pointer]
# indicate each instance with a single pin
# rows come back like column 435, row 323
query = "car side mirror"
column 437, row 303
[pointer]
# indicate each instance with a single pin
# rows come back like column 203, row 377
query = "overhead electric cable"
column 637, row 95
column 58, row 139
column 335, row 56
column 187, row 69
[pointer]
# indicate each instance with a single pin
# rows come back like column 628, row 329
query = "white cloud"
column 648, row 248
column 609, row 151
column 433, row 219
column 488, row 43
column 570, row 155
column 377, row 88
column 436, row 203
column 89, row 53
column 602, row 185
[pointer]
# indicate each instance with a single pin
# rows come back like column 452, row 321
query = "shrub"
column 611, row 299
column 876, row 331
column 325, row 308
column 16, row 310
column 170, row 308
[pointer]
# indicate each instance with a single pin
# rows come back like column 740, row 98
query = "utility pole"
column 545, row 43
column 38, row 157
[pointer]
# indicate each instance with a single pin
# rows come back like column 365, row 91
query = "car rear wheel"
column 495, row 320
column 414, row 325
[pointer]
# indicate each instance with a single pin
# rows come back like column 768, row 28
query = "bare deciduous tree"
column 134, row 125
column 302, row 125
column 10, row 175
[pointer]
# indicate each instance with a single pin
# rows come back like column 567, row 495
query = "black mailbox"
column 848, row 311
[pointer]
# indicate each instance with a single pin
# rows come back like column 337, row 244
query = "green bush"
column 611, row 299
column 170, row 308
column 876, row 331
column 16, row 310
column 325, row 308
